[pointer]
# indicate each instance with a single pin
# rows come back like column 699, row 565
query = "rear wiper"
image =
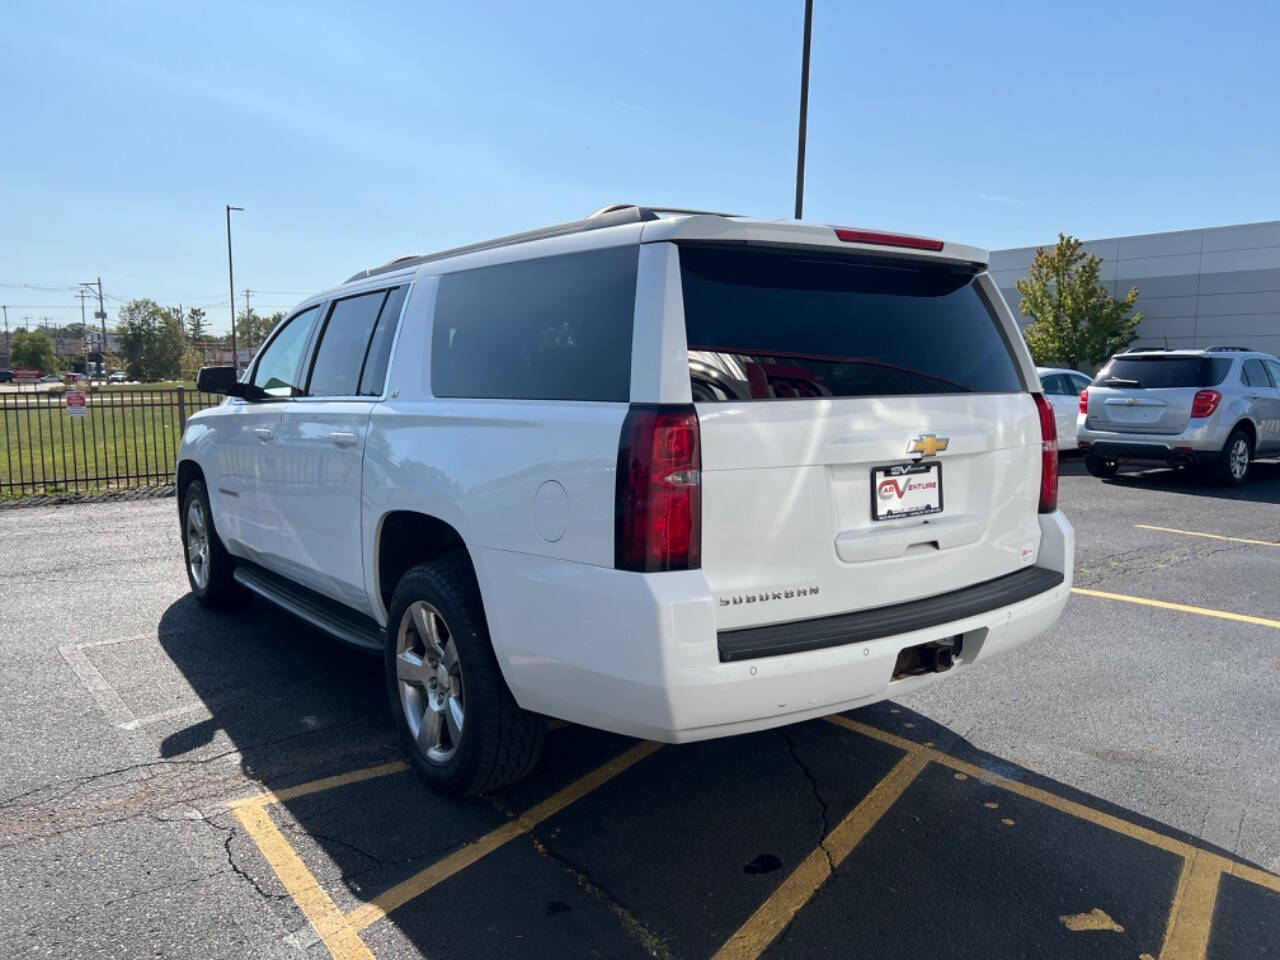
column 1122, row 382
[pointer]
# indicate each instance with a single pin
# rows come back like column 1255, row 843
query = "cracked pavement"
column 118, row 842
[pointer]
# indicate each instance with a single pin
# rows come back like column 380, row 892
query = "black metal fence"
column 125, row 437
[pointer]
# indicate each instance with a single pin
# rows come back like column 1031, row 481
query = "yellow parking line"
column 327, row 783
column 754, row 936
column 1186, row 936
column 1208, row 536
column 342, row 941
column 1179, row 607
column 423, row 881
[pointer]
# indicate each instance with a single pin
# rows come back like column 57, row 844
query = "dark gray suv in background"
column 1218, row 407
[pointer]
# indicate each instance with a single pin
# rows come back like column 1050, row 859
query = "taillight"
column 1048, row 455
column 1084, row 400
column 658, row 508
column 888, row 239
column 1205, row 402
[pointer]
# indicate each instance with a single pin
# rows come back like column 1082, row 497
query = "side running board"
column 332, row 617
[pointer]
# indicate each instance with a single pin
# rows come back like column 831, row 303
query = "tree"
column 152, row 340
column 252, row 328
column 33, row 351
column 197, row 326
column 1074, row 319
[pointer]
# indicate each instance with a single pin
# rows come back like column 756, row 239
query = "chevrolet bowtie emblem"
column 927, row 444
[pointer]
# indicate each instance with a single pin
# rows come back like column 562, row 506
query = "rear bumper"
column 1171, row 453
column 639, row 654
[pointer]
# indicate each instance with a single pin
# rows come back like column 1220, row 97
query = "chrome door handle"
column 265, row 434
column 343, row 439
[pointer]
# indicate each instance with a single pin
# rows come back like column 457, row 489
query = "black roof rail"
column 1236, row 349
column 610, row 216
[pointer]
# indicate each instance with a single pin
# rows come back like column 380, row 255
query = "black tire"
column 218, row 588
column 499, row 743
column 1235, row 462
column 1102, row 469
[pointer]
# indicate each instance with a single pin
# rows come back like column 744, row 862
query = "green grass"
column 128, row 438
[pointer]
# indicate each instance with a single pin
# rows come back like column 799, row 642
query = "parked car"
column 1218, row 407
column 669, row 474
column 1062, row 388
column 118, row 377
column 50, row 378
column 6, row 376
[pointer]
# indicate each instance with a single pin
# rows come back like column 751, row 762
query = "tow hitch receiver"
column 937, row 656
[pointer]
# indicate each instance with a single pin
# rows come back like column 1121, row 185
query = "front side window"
column 277, row 372
column 555, row 328
column 783, row 324
column 340, row 356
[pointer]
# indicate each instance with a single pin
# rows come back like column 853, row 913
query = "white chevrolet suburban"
column 671, row 474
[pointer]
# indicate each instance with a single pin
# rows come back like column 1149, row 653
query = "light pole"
column 101, row 316
column 804, row 108
column 231, row 277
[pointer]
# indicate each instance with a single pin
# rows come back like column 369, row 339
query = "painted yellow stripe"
column 1186, row 936
column 329, row 923
column 326, row 783
column 1208, row 536
column 460, row 859
column 754, row 936
column 1179, row 607
column 1244, row 871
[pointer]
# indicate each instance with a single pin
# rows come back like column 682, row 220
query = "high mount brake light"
column 1048, row 455
column 888, row 239
column 658, row 506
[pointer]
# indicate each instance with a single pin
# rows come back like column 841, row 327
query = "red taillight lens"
column 658, row 509
column 888, row 239
column 1205, row 402
column 1084, row 400
column 1048, row 455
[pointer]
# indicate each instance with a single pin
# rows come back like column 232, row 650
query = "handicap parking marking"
column 1208, row 536
column 1178, row 607
column 340, row 931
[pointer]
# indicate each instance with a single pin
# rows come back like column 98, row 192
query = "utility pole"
column 101, row 316
column 804, row 108
column 231, row 279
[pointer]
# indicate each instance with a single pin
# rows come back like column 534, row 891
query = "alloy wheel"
column 197, row 544
column 429, row 677
column 1239, row 462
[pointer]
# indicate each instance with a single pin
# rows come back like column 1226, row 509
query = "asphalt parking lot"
column 180, row 783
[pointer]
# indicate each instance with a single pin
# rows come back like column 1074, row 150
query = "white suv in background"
column 671, row 474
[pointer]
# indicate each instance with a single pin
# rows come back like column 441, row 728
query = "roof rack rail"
column 1238, row 349
column 609, row 216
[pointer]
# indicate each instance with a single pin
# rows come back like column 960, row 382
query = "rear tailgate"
column 866, row 435
column 1150, row 393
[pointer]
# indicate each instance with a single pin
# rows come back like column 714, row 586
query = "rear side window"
column 556, row 328
column 345, row 342
column 786, row 324
column 1154, row 371
column 375, row 365
column 1254, row 374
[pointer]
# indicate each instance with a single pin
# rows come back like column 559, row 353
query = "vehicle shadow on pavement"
column 1262, row 486
column 685, row 849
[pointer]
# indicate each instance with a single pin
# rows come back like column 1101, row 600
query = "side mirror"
column 216, row 380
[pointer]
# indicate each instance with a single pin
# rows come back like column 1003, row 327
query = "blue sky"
column 353, row 133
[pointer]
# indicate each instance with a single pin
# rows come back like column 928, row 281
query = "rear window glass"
column 1163, row 371
column 774, row 324
column 557, row 328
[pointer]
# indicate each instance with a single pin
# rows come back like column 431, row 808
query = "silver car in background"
column 1218, row 407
